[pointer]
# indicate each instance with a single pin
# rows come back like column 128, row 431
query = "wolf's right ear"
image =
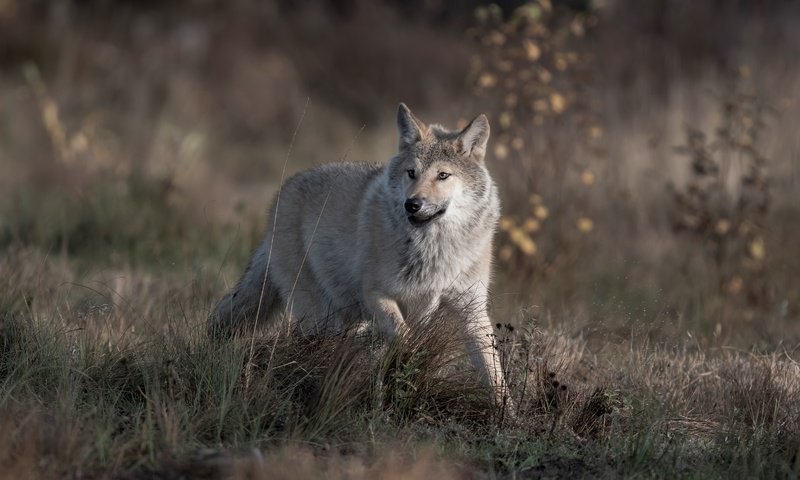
column 409, row 127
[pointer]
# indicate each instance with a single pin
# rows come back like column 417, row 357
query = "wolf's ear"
column 409, row 127
column 474, row 137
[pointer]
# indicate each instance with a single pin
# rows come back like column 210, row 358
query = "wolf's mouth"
column 420, row 220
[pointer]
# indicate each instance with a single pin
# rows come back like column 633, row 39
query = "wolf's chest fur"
column 433, row 259
column 426, row 261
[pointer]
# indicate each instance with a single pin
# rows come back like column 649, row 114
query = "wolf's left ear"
column 409, row 127
column 474, row 137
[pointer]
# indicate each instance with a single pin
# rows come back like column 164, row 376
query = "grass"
column 106, row 391
column 637, row 351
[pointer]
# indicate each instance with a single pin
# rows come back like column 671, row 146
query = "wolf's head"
column 436, row 172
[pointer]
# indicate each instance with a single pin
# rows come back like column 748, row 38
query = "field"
column 647, row 274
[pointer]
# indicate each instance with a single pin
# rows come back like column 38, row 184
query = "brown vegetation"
column 647, row 276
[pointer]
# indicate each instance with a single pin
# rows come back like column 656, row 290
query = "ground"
column 646, row 278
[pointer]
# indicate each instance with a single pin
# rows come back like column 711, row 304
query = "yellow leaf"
column 531, row 225
column 500, row 151
column 545, row 76
column 505, row 119
column 541, row 212
column 528, row 246
column 532, row 50
column 506, row 224
column 587, row 177
column 487, row 80
column 523, row 241
column 557, row 102
column 757, row 248
column 585, row 224
column 517, row 235
column 79, row 143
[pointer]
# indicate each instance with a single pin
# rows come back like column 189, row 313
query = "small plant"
column 724, row 205
column 538, row 372
column 403, row 382
column 534, row 79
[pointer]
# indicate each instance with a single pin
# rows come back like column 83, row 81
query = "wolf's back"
column 321, row 202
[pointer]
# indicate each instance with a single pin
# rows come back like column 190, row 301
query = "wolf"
column 388, row 242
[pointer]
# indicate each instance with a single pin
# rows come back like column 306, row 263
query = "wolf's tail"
column 253, row 300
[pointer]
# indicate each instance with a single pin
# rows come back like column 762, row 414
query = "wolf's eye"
column 411, row 173
column 443, row 175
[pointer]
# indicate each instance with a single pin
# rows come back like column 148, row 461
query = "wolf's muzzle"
column 422, row 216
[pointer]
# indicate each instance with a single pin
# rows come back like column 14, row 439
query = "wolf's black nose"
column 413, row 205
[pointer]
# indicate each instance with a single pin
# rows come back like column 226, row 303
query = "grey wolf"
column 392, row 242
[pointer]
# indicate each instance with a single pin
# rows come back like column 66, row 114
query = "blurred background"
column 647, row 151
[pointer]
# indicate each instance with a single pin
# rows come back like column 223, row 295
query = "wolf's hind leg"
column 254, row 296
column 305, row 311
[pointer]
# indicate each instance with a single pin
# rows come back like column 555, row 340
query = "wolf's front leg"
column 386, row 313
column 482, row 346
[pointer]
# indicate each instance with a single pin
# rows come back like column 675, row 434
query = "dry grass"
column 632, row 349
column 101, row 390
